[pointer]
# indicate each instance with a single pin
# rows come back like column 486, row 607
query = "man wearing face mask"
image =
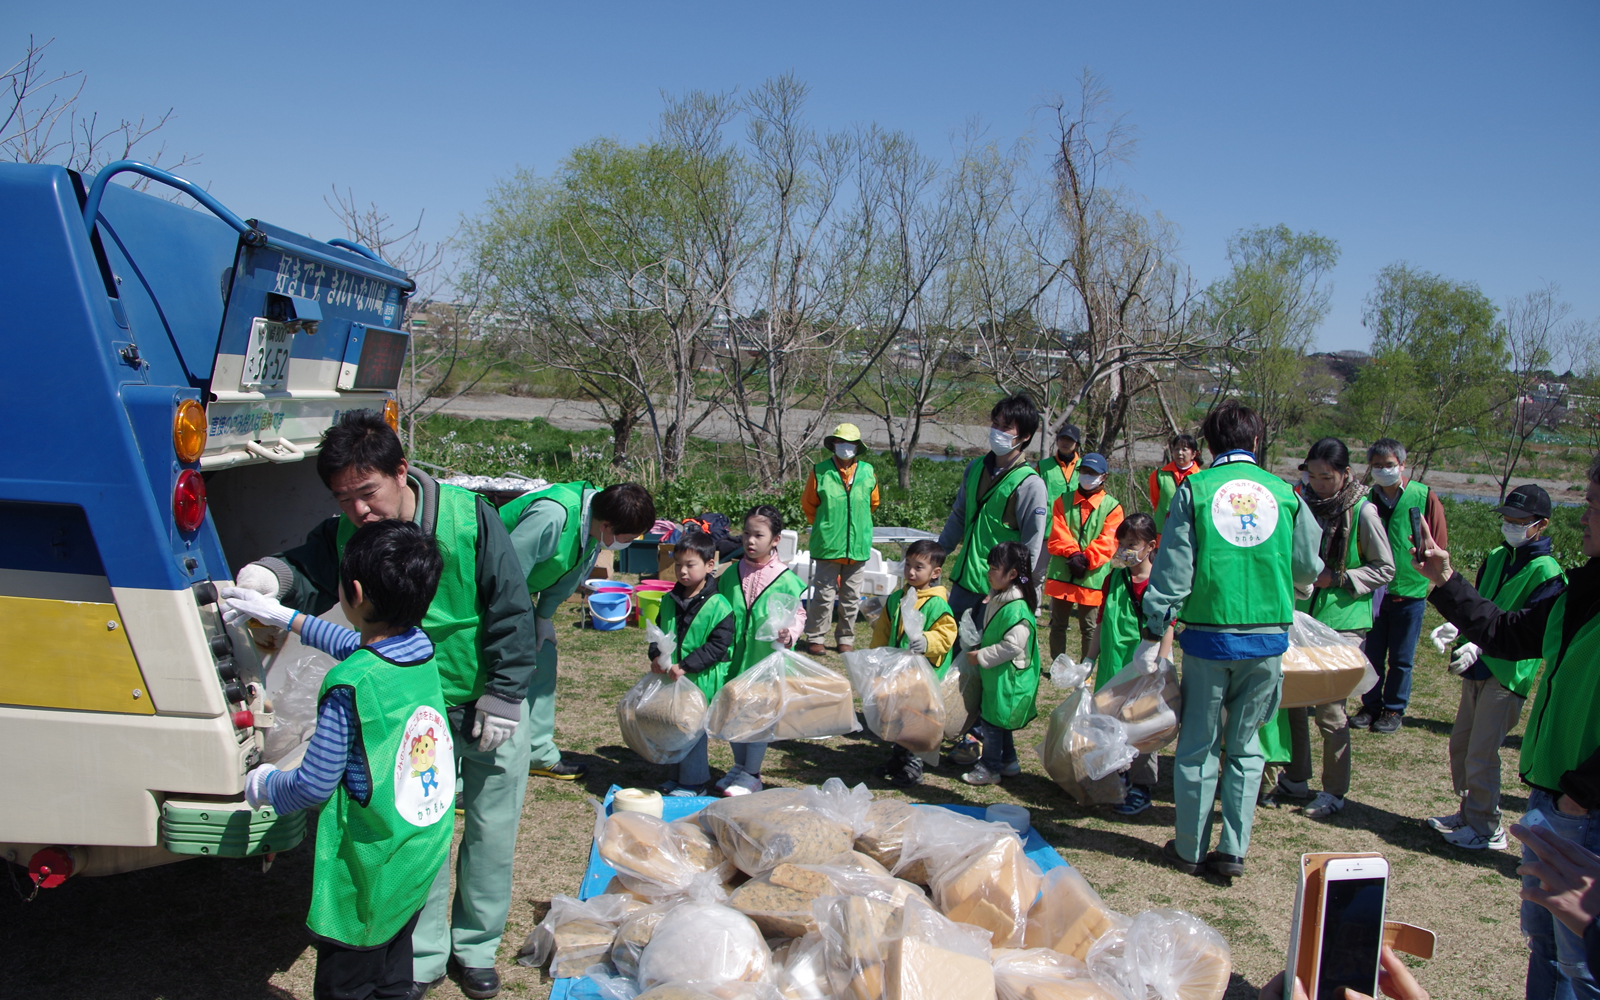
column 1083, row 538
column 1391, row 646
column 1493, row 689
column 558, row 533
column 838, row 501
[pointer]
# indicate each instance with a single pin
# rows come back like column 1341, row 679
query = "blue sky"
column 1462, row 137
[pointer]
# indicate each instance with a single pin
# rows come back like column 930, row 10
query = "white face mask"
column 1090, row 482
column 616, row 544
column 844, row 450
column 1387, row 477
column 1515, row 534
column 1000, row 442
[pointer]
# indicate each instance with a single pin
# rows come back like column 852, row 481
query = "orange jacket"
column 1099, row 551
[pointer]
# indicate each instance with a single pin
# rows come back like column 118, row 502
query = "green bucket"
column 649, row 604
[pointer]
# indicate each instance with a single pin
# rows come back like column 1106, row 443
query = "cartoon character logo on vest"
column 424, row 769
column 1244, row 512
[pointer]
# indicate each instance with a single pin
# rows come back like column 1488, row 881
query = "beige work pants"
column 830, row 581
column 1487, row 713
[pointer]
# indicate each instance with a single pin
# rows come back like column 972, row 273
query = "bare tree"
column 1538, row 328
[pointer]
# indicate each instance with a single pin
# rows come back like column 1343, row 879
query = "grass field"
column 207, row 929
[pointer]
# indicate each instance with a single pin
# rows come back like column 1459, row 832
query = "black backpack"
column 719, row 527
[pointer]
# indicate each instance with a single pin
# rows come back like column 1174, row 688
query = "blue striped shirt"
column 333, row 755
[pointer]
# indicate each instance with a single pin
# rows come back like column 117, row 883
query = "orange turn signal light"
column 189, row 431
column 391, row 414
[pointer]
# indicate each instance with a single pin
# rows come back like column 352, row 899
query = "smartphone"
column 1354, row 891
column 1416, row 532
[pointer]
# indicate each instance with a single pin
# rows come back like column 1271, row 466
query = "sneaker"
column 1134, row 801
column 908, row 774
column 1388, row 722
column 1361, row 720
column 724, row 782
column 1169, row 852
column 896, row 761
column 1444, row 824
column 743, row 784
column 965, row 753
column 1291, row 789
column 980, row 775
column 1323, row 806
column 560, row 770
column 1012, row 769
column 686, row 791
column 1469, row 839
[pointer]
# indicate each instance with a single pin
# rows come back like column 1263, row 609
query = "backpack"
column 719, row 527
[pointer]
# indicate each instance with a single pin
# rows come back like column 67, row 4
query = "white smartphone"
column 1354, row 891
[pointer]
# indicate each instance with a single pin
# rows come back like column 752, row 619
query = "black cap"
column 1070, row 431
column 1526, row 501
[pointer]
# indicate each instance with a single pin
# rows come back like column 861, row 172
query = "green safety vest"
column 1083, row 532
column 984, row 528
column 1407, row 581
column 710, row 615
column 377, row 859
column 843, row 529
column 1009, row 693
column 1511, row 594
column 1338, row 607
column 1243, row 544
column 1166, row 489
column 453, row 617
column 1120, row 621
column 570, row 548
column 933, row 608
column 747, row 618
column 1058, row 479
column 1564, row 724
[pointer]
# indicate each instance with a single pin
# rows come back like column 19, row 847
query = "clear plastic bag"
column 633, row 933
column 900, row 696
column 855, row 933
column 662, row 719
column 782, row 609
column 992, row 887
column 293, row 683
column 760, row 831
column 575, row 934
column 883, row 833
column 666, row 644
column 784, row 696
column 968, row 631
column 911, row 619
column 1148, row 705
column 804, row 974
column 1042, row 974
column 1069, row 916
column 1322, row 666
column 706, row 944
column 938, row 838
column 1105, row 744
column 1165, row 954
column 936, row 957
column 1062, row 749
column 654, row 858
column 611, row 987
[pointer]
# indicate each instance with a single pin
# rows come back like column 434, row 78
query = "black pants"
column 379, row 973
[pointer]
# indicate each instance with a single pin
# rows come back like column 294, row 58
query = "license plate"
column 266, row 359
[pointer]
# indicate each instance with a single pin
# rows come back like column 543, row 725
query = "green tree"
column 1439, row 352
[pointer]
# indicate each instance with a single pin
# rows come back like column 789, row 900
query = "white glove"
column 544, row 630
column 1443, row 636
column 255, row 786
column 1146, row 657
column 491, row 730
column 240, row 604
column 917, row 644
column 1465, row 657
column 258, row 578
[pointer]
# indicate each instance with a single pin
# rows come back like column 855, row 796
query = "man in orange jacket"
column 1083, row 538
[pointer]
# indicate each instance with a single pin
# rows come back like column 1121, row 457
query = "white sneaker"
column 1012, row 769
column 1323, row 806
column 1444, row 824
column 980, row 775
column 1469, row 839
column 728, row 779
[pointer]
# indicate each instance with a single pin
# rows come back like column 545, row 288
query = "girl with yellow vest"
column 1008, row 663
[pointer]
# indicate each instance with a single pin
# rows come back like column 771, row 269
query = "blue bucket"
column 608, row 611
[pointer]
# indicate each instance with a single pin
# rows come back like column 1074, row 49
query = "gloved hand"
column 255, row 786
column 1465, row 657
column 240, row 605
column 544, row 630
column 1078, row 564
column 492, row 730
column 917, row 644
column 256, row 577
column 1443, row 636
column 1146, row 659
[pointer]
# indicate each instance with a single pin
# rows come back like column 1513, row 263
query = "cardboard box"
column 1306, row 923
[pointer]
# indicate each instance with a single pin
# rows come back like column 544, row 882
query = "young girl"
column 701, row 621
column 1008, row 662
column 748, row 587
column 1118, row 636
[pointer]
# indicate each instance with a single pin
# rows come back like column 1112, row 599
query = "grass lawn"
column 206, row 929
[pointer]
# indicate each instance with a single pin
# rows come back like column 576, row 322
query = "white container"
column 637, row 800
column 788, row 545
column 1015, row 817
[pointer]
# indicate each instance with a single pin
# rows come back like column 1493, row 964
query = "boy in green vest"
column 1515, row 575
column 838, row 502
column 382, row 758
column 557, row 533
column 1060, row 471
column 1391, row 646
column 1007, row 661
column 1561, row 744
column 1083, row 538
column 924, row 563
column 1184, row 452
column 700, row 620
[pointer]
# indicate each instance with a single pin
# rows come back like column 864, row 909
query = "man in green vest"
column 1519, row 573
column 483, row 636
column 1391, row 646
column 1561, row 745
column 557, row 533
column 838, row 501
column 1238, row 547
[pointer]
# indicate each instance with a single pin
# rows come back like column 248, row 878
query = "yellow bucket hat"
column 844, row 432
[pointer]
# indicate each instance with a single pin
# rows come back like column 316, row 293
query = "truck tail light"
column 189, row 431
column 391, row 414
column 189, row 501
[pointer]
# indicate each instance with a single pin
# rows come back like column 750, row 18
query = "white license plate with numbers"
column 266, row 359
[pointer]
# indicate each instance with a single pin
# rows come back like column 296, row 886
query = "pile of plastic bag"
column 785, row 696
column 822, row 893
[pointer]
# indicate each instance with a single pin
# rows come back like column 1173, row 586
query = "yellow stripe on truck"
column 68, row 654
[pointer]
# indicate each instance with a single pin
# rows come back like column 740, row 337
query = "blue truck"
column 168, row 373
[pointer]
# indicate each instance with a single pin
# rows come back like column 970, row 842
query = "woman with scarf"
column 1357, row 559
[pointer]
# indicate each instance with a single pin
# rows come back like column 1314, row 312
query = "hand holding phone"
column 1354, row 894
column 1416, row 532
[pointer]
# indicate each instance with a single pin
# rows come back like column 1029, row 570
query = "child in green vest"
column 924, row 563
column 1008, row 662
column 1118, row 636
column 701, row 622
column 1515, row 575
column 383, row 759
column 749, row 587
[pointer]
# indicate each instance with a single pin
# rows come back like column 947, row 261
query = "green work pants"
column 1249, row 691
column 541, row 738
column 493, row 785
